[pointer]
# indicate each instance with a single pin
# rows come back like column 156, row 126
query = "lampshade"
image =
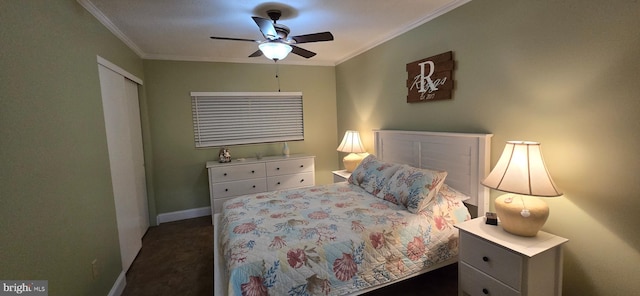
column 275, row 50
column 521, row 170
column 351, row 143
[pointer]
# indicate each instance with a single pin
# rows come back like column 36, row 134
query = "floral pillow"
column 452, row 194
column 447, row 208
column 372, row 174
column 413, row 187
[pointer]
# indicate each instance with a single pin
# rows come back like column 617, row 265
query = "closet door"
column 124, row 141
column 131, row 91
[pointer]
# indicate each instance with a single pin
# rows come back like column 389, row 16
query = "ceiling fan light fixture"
column 275, row 50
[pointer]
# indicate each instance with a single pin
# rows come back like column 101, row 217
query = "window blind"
column 224, row 119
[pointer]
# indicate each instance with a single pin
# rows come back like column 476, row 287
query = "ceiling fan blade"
column 302, row 52
column 234, row 39
column 316, row 37
column 256, row 54
column 266, row 27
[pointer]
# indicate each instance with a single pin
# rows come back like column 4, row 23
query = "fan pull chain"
column 277, row 76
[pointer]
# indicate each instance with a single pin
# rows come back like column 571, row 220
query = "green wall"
column 561, row 72
column 57, row 213
column 179, row 174
column 56, row 201
column 564, row 73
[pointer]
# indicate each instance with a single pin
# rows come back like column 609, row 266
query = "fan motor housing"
column 282, row 30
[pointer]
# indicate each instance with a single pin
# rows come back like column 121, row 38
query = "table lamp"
column 521, row 172
column 351, row 143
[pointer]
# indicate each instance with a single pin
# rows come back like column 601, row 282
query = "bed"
column 391, row 221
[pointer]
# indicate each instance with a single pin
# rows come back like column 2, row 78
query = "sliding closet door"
column 122, row 122
column 131, row 91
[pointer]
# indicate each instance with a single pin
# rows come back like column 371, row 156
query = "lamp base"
column 521, row 215
column 351, row 161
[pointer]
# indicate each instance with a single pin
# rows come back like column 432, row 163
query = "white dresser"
column 494, row 262
column 227, row 180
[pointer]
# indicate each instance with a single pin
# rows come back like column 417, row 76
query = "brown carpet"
column 177, row 259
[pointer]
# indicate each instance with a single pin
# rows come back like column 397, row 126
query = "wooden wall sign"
column 430, row 79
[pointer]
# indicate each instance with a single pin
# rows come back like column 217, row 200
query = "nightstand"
column 340, row 176
column 494, row 262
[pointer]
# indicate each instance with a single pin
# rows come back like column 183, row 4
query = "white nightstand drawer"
column 237, row 172
column 491, row 259
column 235, row 188
column 292, row 166
column 488, row 261
column 475, row 283
column 290, row 181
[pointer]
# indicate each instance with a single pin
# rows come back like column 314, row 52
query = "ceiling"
column 180, row 30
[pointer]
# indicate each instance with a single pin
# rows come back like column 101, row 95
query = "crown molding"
column 438, row 12
column 104, row 20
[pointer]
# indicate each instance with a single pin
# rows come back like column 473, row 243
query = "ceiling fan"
column 278, row 44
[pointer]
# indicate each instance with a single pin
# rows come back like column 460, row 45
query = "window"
column 223, row 119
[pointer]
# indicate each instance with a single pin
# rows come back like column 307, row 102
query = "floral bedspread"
column 330, row 240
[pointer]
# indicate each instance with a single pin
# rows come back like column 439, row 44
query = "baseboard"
column 118, row 286
column 181, row 215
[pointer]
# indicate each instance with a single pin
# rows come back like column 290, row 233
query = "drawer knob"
column 302, row 181
column 302, row 165
column 253, row 172
column 225, row 174
column 278, row 183
column 226, row 189
column 485, row 258
column 254, row 186
column 277, row 169
column 485, row 291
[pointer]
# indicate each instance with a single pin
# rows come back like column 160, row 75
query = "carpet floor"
column 177, row 259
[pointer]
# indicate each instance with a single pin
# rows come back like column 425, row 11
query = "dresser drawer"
column 290, row 181
column 475, row 283
column 241, row 187
column 228, row 180
column 491, row 259
column 291, row 166
column 236, row 172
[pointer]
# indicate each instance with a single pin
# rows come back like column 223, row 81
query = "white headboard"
column 465, row 157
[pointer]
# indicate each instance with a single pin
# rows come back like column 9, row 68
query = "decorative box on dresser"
column 494, row 262
column 235, row 178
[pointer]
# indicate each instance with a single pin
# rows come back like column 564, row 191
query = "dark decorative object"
column 492, row 218
column 224, row 155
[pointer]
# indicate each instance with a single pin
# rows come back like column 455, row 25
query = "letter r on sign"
column 432, row 68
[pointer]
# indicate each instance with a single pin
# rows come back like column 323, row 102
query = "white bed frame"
column 466, row 158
